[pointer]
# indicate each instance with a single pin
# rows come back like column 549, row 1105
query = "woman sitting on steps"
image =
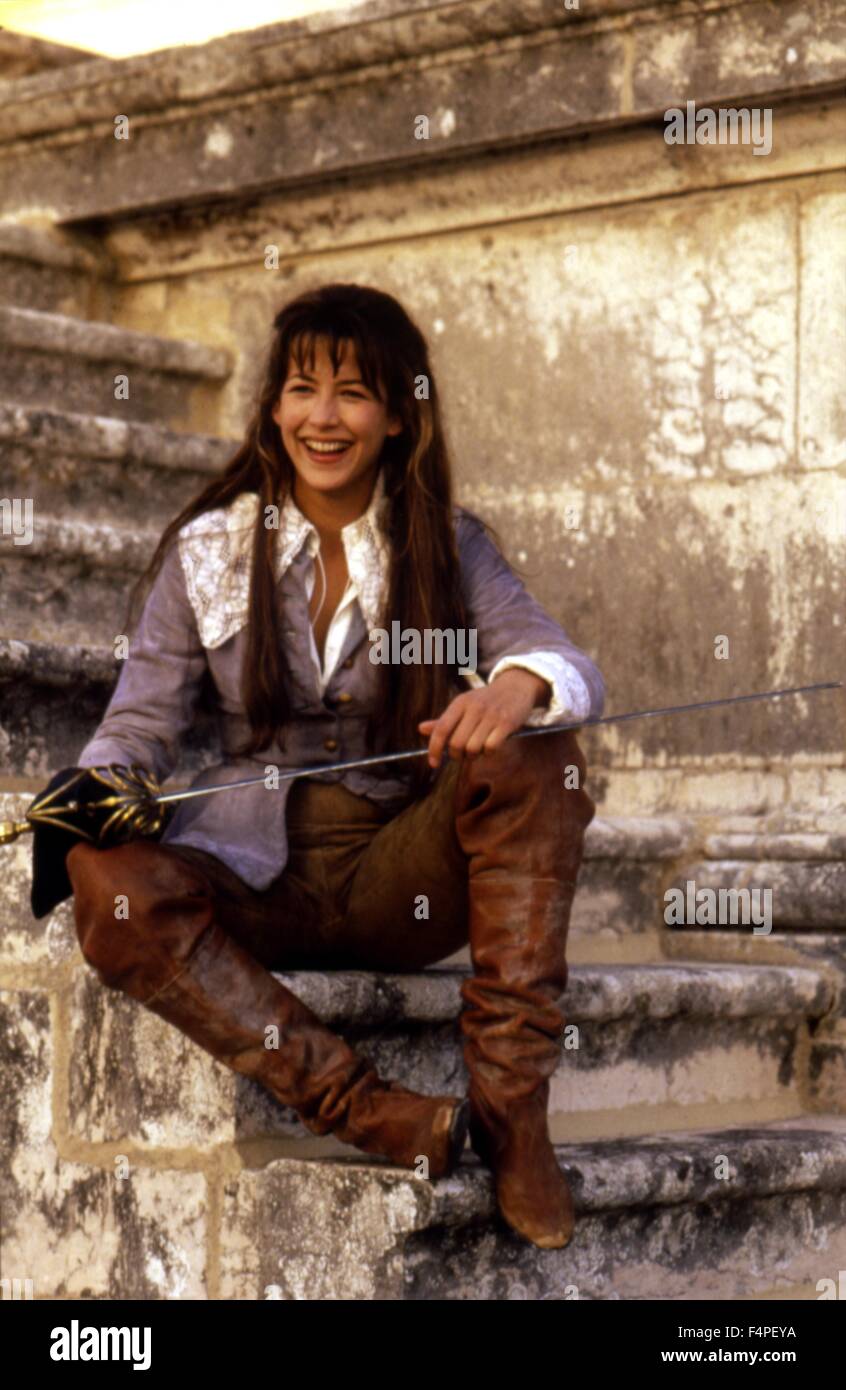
column 334, row 518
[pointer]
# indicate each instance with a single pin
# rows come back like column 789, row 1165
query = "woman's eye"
column 358, row 395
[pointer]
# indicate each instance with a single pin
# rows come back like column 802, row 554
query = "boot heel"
column 458, row 1134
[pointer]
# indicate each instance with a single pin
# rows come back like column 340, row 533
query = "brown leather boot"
column 173, row 956
column 523, row 832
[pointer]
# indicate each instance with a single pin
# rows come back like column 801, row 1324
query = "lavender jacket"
column 195, row 617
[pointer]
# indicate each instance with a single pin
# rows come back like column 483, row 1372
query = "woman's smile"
column 326, row 451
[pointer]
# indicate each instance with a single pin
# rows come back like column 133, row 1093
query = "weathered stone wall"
column 640, row 347
column 640, row 344
column 22, row 55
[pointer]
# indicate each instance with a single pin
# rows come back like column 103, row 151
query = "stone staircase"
column 699, row 1107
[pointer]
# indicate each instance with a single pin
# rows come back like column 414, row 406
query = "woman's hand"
column 480, row 720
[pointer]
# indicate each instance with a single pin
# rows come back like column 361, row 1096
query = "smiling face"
column 316, row 412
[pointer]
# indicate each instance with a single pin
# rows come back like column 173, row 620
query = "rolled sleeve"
column 570, row 698
column 156, row 695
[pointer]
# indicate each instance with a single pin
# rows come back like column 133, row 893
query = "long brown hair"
column 424, row 588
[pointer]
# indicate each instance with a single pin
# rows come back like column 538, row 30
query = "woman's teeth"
column 337, row 447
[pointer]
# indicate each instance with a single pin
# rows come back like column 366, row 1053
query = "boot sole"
column 542, row 1240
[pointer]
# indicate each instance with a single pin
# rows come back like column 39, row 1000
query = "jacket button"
column 347, row 664
column 330, row 744
column 343, row 698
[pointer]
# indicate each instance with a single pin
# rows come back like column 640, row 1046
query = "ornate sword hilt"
column 133, row 808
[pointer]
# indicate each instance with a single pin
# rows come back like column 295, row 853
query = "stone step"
column 52, row 698
column 787, row 834
column 820, row 948
column 651, row 1039
column 763, row 893
column 67, row 580
column 104, row 469
column 57, row 360
column 51, row 269
column 718, row 1213
column 668, row 1046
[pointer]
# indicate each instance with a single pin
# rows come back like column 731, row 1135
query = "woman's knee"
column 558, row 761
column 550, row 760
column 132, row 899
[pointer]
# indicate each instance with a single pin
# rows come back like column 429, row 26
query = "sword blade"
column 379, row 758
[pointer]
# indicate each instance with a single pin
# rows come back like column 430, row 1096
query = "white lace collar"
column 215, row 550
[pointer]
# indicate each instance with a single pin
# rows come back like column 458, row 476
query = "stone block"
column 822, row 413
column 804, row 895
column 77, row 1229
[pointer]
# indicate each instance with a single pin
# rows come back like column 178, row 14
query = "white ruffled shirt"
column 216, row 564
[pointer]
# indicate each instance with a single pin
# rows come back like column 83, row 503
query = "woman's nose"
column 324, row 411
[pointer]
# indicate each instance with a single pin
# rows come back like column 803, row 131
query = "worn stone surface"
column 41, row 721
column 37, row 331
column 719, row 1250
column 136, row 1079
column 638, row 837
column 49, row 247
column 21, row 55
column 682, row 325
column 805, row 895
column 713, row 786
column 824, row 951
column 321, row 1231
column 827, row 1068
column 28, row 286
column 593, row 993
column 25, row 942
column 658, row 1037
column 70, row 583
column 42, row 729
column 158, row 253
column 49, row 358
column 617, row 912
column 801, row 844
column 822, row 412
column 64, row 666
column 654, row 1220
column 787, row 821
column 104, row 469
column 825, row 1085
column 275, row 95
column 43, row 267
column 616, row 899
column 79, row 1230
